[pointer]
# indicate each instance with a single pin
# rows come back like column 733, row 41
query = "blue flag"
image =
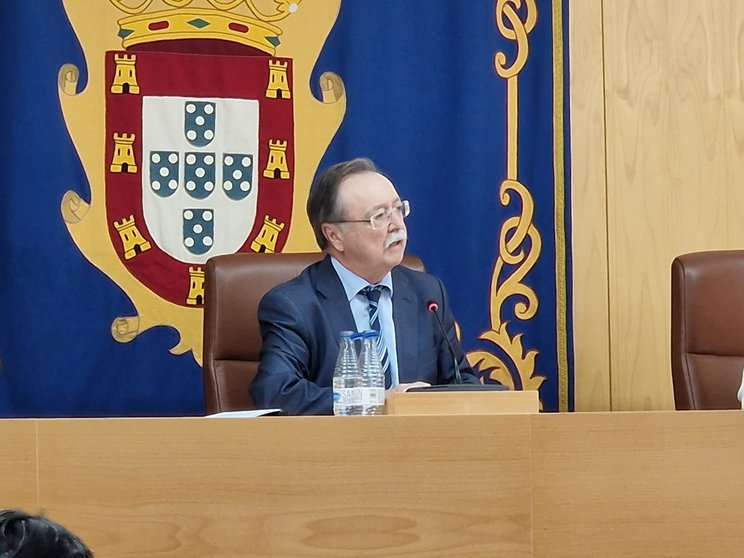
column 119, row 149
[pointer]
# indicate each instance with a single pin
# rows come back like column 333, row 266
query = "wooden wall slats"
column 589, row 208
column 673, row 145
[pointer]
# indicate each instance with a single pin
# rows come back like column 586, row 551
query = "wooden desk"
column 638, row 484
column 18, row 486
column 594, row 484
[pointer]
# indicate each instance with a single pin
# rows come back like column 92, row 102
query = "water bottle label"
column 347, row 396
column 373, row 396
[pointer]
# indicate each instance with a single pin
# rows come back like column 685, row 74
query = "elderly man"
column 358, row 219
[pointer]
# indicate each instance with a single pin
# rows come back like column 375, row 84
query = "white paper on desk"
column 740, row 395
column 244, row 414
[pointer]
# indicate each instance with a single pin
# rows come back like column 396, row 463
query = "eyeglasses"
column 382, row 218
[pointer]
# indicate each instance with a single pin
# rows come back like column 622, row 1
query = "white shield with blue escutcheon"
column 199, row 179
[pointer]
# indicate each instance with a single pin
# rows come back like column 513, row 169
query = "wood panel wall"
column 658, row 160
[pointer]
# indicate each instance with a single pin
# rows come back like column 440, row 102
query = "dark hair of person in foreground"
column 33, row 536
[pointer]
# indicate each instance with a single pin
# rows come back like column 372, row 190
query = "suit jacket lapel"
column 333, row 298
column 405, row 316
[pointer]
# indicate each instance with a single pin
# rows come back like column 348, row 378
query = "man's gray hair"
column 322, row 203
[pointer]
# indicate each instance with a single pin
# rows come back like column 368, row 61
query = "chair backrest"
column 707, row 329
column 234, row 285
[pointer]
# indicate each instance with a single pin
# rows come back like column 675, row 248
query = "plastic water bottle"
column 373, row 379
column 347, row 381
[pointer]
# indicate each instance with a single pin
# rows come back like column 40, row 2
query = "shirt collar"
column 352, row 283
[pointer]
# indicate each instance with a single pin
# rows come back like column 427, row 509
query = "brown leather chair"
column 707, row 329
column 234, row 285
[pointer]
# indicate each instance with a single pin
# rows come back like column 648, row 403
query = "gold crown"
column 238, row 21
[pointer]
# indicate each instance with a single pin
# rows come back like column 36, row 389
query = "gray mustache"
column 395, row 236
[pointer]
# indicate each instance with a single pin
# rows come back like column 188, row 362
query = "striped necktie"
column 373, row 298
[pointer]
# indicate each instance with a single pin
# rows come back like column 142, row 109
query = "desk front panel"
column 599, row 484
column 638, row 484
column 18, row 465
column 291, row 486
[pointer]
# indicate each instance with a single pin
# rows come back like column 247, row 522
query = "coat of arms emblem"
column 194, row 170
column 199, row 150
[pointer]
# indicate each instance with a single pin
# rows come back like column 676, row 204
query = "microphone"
column 432, row 307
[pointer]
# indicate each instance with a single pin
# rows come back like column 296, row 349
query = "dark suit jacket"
column 300, row 321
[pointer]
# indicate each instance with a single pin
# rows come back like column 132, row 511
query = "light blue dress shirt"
column 352, row 284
